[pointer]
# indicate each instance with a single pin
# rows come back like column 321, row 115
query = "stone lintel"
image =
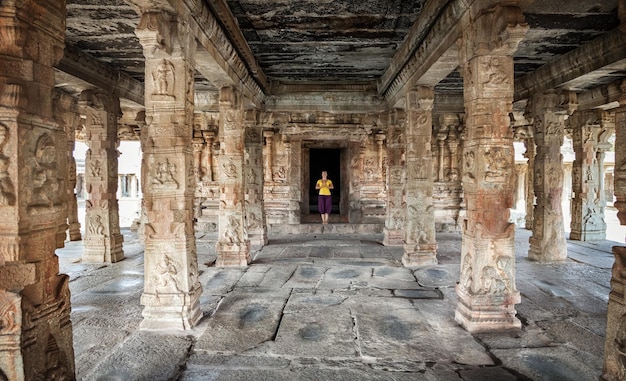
column 86, row 68
column 322, row 101
column 609, row 49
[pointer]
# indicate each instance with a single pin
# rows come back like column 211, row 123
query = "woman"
column 324, row 200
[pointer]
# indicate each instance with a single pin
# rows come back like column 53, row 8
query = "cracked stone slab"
column 438, row 276
column 306, row 276
column 552, row 363
column 244, row 320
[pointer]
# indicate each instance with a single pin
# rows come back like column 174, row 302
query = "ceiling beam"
column 598, row 58
column 99, row 75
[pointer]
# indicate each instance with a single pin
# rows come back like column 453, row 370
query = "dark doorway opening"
column 325, row 159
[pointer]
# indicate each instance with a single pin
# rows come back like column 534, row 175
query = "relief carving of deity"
column 230, row 169
column 44, row 173
column 95, row 226
column 164, row 79
column 166, row 279
column 165, row 174
column 498, row 165
column 233, row 231
column 494, row 74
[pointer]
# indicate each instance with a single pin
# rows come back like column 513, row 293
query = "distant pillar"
column 487, row 293
column 268, row 160
column 255, row 210
column 103, row 241
column 590, row 142
column 233, row 245
column 396, row 210
column 420, row 245
column 529, row 189
column 547, row 242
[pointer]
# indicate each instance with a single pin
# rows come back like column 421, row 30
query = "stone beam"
column 330, row 98
column 94, row 72
column 227, row 62
column 603, row 55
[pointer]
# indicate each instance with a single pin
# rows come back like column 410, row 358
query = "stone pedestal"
column 103, row 241
column 171, row 289
column 420, row 246
column 35, row 328
column 588, row 202
column 547, row 242
column 233, row 245
column 487, row 291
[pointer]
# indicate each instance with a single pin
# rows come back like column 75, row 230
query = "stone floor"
column 331, row 306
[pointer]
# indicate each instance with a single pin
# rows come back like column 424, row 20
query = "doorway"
column 329, row 160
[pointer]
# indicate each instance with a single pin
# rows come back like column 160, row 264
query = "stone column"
column 255, row 210
column 547, row 242
column 171, row 289
column 615, row 343
column 103, row 241
column 380, row 141
column 35, row 328
column 198, row 145
column 529, row 186
column 207, row 162
column 487, row 292
column 66, row 108
column 420, row 246
column 233, row 245
column 268, row 160
column 396, row 209
column 589, row 141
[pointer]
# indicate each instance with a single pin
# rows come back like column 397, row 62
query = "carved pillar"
column 268, row 162
column 171, row 289
column 255, row 209
column 547, row 242
column 487, row 291
column 442, row 135
column 207, row 162
column 103, row 241
column 396, row 209
column 529, row 186
column 420, row 246
column 198, row 145
column 233, row 245
column 35, row 327
column 66, row 108
column 615, row 342
column 380, row 141
column 590, row 141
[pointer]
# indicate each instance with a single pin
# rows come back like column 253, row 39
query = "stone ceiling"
column 334, row 41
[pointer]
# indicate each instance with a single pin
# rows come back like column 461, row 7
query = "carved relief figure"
column 494, row 73
column 232, row 230
column 498, row 165
column 163, row 77
column 95, row 225
column 165, row 174
column 7, row 191
column 230, row 169
column 279, row 174
column 254, row 222
column 166, row 276
column 44, row 173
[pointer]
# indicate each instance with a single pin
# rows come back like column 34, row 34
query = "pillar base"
column 103, row 249
column 487, row 312
column 257, row 241
column 552, row 250
column 231, row 254
column 74, row 232
column 588, row 235
column 419, row 255
column 393, row 237
column 171, row 311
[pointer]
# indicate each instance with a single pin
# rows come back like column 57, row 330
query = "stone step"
column 319, row 228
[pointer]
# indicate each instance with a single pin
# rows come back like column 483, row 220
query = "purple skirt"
column 324, row 204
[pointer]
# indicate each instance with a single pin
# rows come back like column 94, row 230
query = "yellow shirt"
column 324, row 187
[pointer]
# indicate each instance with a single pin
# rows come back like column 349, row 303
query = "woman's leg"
column 320, row 207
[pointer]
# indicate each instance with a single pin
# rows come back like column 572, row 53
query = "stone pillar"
column 420, row 246
column 255, row 209
column 35, row 328
column 529, row 185
column 615, row 343
column 268, row 160
column 588, row 201
column 198, row 145
column 207, row 162
column 547, row 242
column 66, row 108
column 380, row 142
column 171, row 289
column 103, row 241
column 487, row 292
column 233, row 245
column 396, row 209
